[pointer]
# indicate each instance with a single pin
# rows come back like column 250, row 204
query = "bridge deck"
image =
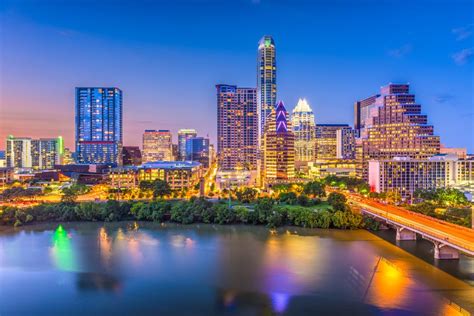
column 459, row 237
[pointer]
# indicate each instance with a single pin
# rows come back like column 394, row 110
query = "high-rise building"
column 364, row 111
column 18, row 152
column 397, row 129
column 99, row 125
column 237, row 127
column 266, row 80
column 157, row 146
column 345, row 143
column 46, row 152
column 38, row 154
column 131, row 156
column 304, row 129
column 197, row 149
column 278, row 147
column 326, row 140
column 183, row 135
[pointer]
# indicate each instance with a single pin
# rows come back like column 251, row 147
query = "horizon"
column 152, row 64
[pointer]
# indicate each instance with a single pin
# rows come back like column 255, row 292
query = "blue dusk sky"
column 167, row 57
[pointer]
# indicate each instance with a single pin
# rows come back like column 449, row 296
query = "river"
column 147, row 268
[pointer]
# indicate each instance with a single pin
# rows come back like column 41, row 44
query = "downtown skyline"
column 303, row 71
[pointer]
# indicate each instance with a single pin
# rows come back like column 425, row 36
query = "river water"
column 146, row 268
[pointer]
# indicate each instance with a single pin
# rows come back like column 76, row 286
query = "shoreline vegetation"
column 265, row 211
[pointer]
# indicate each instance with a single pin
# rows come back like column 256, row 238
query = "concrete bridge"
column 448, row 239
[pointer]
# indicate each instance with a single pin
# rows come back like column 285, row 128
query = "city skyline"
column 441, row 82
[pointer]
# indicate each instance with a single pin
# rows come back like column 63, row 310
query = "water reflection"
column 223, row 269
column 62, row 250
column 98, row 282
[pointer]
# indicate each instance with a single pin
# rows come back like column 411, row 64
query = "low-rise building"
column 6, row 175
column 320, row 169
column 178, row 174
column 226, row 179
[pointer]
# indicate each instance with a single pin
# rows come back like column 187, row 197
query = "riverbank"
column 268, row 212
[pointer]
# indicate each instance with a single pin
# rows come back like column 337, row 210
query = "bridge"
column 448, row 239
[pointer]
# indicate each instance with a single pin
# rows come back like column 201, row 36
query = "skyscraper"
column 302, row 120
column 278, row 147
column 18, row 152
column 266, row 80
column 157, row 146
column 183, row 135
column 197, row 149
column 99, row 125
column 237, row 127
column 397, row 129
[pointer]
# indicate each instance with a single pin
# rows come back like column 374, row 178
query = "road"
column 460, row 236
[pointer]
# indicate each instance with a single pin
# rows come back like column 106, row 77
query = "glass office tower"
column 99, row 125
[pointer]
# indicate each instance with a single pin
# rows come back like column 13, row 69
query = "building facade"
column 303, row 125
column 266, row 80
column 131, row 156
column 183, row 135
column 397, row 129
column 237, row 127
column 197, row 149
column 326, row 140
column 180, row 175
column 36, row 154
column 99, row 132
column 157, row 146
column 345, row 143
column 278, row 147
column 405, row 175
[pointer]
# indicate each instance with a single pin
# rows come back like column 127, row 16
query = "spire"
column 302, row 106
column 281, row 122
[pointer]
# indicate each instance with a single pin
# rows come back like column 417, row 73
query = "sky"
column 167, row 57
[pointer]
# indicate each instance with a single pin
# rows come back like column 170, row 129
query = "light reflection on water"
column 218, row 270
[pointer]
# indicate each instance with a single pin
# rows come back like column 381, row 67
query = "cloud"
column 443, row 98
column 464, row 56
column 463, row 32
column 401, row 51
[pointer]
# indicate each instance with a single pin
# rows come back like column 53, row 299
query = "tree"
column 337, row 201
column 246, row 195
column 314, row 189
column 161, row 188
column 69, row 195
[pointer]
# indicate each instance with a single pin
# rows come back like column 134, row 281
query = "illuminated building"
column 226, row 179
column 345, row 143
column 67, row 158
column 237, row 126
column 157, row 146
column 302, row 120
column 406, row 175
column 320, row 169
column 38, row 154
column 180, row 175
column 266, row 80
column 131, row 156
column 6, row 175
column 99, row 125
column 279, row 147
column 364, row 111
column 197, row 149
column 326, row 140
column 183, row 135
column 18, row 152
column 397, row 129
